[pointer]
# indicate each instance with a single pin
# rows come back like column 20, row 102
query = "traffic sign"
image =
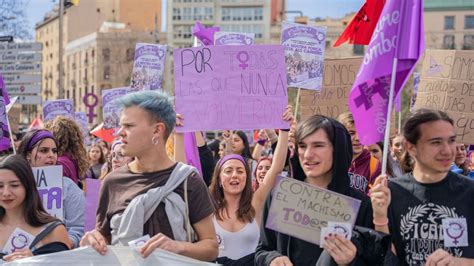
column 6, row 38
column 23, row 89
column 31, row 46
column 20, row 78
column 29, row 99
column 20, row 68
column 20, row 57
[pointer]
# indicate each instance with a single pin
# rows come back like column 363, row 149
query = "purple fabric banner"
column 92, row 202
column 230, row 87
column 191, row 151
column 54, row 108
column 110, row 111
column 5, row 142
column 398, row 34
column 3, row 88
column 148, row 66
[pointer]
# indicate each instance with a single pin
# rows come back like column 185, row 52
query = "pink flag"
column 399, row 34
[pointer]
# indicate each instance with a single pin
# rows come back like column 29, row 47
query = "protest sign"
column 81, row 120
column 49, row 181
column 54, row 108
column 230, row 87
column 301, row 210
column 447, row 83
column 111, row 111
column 331, row 100
column 233, row 38
column 304, row 54
column 92, row 201
column 148, row 66
column 5, row 142
column 414, row 92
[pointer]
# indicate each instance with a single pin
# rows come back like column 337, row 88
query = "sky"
column 311, row 8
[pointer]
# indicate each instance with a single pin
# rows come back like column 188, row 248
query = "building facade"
column 449, row 24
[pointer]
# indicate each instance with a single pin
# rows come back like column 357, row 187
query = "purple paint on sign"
column 230, row 87
column 91, row 105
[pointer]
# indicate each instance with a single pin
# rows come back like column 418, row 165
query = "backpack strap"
column 373, row 165
column 49, row 228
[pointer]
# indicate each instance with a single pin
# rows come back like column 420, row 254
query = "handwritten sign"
column 331, row 100
column 148, row 66
column 304, row 54
column 233, row 38
column 111, row 111
column 230, row 87
column 49, row 181
column 92, row 202
column 302, row 210
column 54, row 108
column 447, row 83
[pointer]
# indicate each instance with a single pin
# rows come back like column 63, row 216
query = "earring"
column 154, row 141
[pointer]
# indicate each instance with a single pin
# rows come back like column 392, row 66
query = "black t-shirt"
column 416, row 213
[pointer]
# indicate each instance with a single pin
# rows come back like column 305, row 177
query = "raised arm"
column 179, row 152
column 278, row 163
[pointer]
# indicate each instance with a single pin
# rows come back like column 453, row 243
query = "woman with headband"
column 39, row 148
column 238, row 209
column 26, row 229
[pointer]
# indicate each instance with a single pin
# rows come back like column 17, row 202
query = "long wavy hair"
column 246, row 212
column 69, row 140
column 33, row 210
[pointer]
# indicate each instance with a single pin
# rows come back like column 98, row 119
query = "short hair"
column 347, row 119
column 311, row 125
column 411, row 131
column 158, row 104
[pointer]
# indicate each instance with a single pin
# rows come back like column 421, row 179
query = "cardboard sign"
column 49, row 181
column 302, row 210
column 111, row 111
column 230, row 87
column 92, row 202
column 304, row 54
column 331, row 100
column 148, row 66
column 447, row 83
column 233, row 38
column 54, row 108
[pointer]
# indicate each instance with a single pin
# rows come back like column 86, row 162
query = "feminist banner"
column 302, row 210
column 49, row 181
column 5, row 142
column 414, row 92
column 304, row 54
column 447, row 83
column 54, row 108
column 233, row 38
column 111, row 111
column 81, row 120
column 230, row 87
column 148, row 66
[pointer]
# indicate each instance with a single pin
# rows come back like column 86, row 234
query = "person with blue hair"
column 153, row 195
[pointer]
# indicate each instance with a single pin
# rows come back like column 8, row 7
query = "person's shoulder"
column 401, row 181
column 461, row 181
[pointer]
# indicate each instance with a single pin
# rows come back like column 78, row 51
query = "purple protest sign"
column 81, row 120
column 92, row 202
column 398, row 34
column 148, row 66
column 230, row 87
column 49, row 182
column 304, row 54
column 5, row 142
column 416, row 82
column 54, row 108
column 91, row 101
column 111, row 112
column 233, row 38
column 191, row 151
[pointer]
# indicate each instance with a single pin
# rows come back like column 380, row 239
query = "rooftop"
column 444, row 5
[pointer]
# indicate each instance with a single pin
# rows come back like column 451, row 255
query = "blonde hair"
column 69, row 140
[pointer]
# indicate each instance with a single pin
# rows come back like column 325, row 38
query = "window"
column 176, row 13
column 107, row 72
column 449, row 22
column 106, row 53
column 358, row 49
column 448, row 42
column 469, row 22
column 468, row 42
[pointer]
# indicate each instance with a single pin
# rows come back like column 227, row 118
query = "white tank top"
column 236, row 245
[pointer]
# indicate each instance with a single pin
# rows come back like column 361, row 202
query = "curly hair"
column 69, row 140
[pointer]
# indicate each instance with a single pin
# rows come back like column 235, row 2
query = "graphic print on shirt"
column 358, row 182
column 421, row 229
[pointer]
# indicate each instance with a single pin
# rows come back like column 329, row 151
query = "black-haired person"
column 432, row 219
column 39, row 148
column 238, row 143
column 21, row 207
column 325, row 153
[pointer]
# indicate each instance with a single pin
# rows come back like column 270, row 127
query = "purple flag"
column 399, row 34
column 6, row 98
column 205, row 35
column 191, row 150
column 5, row 142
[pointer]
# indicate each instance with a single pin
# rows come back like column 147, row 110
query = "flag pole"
column 297, row 102
column 10, row 132
column 400, row 120
column 390, row 107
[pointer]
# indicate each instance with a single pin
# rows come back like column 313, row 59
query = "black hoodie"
column 274, row 244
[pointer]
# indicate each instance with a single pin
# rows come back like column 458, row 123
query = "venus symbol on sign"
column 243, row 61
column 91, row 105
